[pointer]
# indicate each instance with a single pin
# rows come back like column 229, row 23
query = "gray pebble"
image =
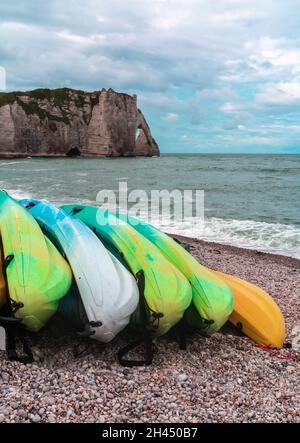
column 35, row 418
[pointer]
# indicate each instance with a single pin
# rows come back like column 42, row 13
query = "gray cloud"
column 176, row 45
column 220, row 50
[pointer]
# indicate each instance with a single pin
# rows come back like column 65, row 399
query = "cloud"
column 230, row 108
column 197, row 66
column 149, row 36
column 286, row 94
column 172, row 117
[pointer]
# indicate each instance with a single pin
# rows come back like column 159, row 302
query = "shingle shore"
column 225, row 378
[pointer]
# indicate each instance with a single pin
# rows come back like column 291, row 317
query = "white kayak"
column 108, row 291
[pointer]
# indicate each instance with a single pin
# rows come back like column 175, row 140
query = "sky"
column 211, row 76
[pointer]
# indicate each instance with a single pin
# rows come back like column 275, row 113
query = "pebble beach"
column 224, row 378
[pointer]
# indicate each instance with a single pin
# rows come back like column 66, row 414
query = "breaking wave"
column 267, row 237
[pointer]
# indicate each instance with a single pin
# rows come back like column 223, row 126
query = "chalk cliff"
column 64, row 121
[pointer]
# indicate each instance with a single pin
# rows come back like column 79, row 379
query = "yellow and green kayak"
column 254, row 312
column 37, row 275
column 167, row 292
column 212, row 297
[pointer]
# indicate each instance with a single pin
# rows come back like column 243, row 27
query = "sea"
column 250, row 201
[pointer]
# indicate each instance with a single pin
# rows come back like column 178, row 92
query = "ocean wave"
column 274, row 238
column 268, row 237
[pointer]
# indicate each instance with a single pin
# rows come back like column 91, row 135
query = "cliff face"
column 64, row 121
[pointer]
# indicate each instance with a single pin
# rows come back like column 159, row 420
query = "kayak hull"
column 212, row 297
column 167, row 291
column 255, row 313
column 37, row 275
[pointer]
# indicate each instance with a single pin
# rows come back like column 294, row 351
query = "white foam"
column 8, row 163
column 18, row 194
column 267, row 237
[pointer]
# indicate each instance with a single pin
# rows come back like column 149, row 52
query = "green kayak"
column 212, row 298
column 37, row 275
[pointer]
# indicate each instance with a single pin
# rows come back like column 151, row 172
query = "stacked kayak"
column 37, row 275
column 250, row 308
column 216, row 297
column 104, row 271
column 108, row 291
column 212, row 297
column 167, row 292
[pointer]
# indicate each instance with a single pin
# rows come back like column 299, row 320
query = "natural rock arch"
column 145, row 143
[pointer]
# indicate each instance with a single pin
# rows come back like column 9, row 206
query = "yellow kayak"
column 255, row 312
column 2, row 282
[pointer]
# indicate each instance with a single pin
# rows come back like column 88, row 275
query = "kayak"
column 212, row 297
column 2, row 281
column 255, row 312
column 108, row 291
column 167, row 292
column 37, row 275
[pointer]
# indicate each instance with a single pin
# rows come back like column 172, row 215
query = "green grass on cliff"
column 8, row 98
column 32, row 108
column 58, row 96
column 41, row 94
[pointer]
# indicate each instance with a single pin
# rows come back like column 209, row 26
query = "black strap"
column 30, row 205
column 12, row 325
column 11, row 347
column 130, row 347
column 76, row 211
column 145, row 333
column 13, row 331
column 182, row 332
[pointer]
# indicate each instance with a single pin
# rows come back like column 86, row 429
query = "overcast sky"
column 211, row 76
